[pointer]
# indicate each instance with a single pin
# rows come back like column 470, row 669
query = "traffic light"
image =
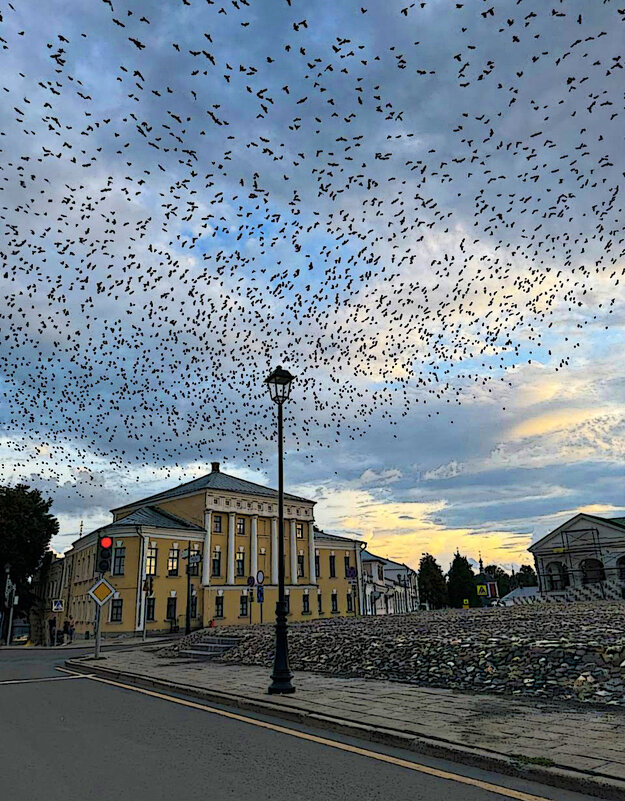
column 104, row 555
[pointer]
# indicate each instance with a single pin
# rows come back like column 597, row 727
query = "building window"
column 287, row 601
column 171, row 608
column 119, row 559
column 620, row 564
column 217, row 524
column 240, row 563
column 299, row 531
column 306, row 604
column 172, row 562
column 217, row 563
column 346, row 566
column 335, row 602
column 240, row 525
column 194, row 606
column 317, row 571
column 219, row 606
column 319, row 604
column 332, row 566
column 149, row 609
column 194, row 570
column 300, row 565
column 350, row 602
column 243, row 606
column 150, row 562
column 116, row 610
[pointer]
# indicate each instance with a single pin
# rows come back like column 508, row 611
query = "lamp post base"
column 281, row 676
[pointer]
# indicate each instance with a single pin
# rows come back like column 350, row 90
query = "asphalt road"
column 64, row 738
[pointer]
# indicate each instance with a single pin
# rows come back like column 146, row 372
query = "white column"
column 230, row 576
column 254, row 547
column 206, row 560
column 274, row 550
column 293, row 549
column 140, row 594
column 311, row 553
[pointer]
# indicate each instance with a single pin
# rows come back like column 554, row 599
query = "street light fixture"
column 279, row 383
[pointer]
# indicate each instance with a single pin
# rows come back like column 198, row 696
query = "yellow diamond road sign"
column 102, row 591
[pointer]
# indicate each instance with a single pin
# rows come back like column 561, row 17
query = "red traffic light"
column 106, row 542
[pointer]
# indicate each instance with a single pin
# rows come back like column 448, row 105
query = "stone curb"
column 89, row 644
column 591, row 782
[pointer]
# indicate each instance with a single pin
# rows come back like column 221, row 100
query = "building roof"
column 619, row 522
column 319, row 534
column 216, row 481
column 367, row 556
column 156, row 518
column 520, row 592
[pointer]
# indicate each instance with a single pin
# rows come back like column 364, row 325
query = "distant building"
column 389, row 587
column 583, row 559
column 520, row 595
column 486, row 587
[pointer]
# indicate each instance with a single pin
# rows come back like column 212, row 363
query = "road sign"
column 101, row 592
column 465, row 603
column 251, row 581
column 184, row 554
column 195, row 558
column 260, row 593
column 260, row 577
column 57, row 605
column 482, row 589
column 8, row 589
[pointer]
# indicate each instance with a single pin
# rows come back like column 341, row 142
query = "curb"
column 88, row 644
column 593, row 783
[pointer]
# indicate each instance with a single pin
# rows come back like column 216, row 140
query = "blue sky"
column 417, row 211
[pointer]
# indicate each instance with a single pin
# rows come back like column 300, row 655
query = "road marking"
column 48, row 678
column 508, row 792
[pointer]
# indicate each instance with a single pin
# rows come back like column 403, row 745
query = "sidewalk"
column 106, row 643
column 577, row 747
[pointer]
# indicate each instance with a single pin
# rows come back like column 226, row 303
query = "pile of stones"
column 553, row 651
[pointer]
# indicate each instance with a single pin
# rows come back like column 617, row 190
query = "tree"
column 26, row 528
column 526, row 577
column 432, row 585
column 501, row 577
column 461, row 582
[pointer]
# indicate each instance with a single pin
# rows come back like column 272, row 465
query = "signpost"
column 465, row 603
column 57, row 605
column 260, row 597
column 101, row 592
column 482, row 589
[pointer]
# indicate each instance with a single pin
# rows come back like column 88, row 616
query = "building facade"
column 583, row 559
column 389, row 587
column 232, row 525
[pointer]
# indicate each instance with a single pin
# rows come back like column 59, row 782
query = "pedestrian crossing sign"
column 482, row 589
column 57, row 605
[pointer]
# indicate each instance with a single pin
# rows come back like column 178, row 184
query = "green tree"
column 501, row 577
column 432, row 584
column 526, row 577
column 461, row 582
column 26, row 528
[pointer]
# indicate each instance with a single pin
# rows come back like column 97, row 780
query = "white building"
column 389, row 587
column 583, row 559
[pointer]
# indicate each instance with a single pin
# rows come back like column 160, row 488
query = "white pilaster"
column 254, row 547
column 293, row 549
column 274, row 550
column 206, row 556
column 230, row 576
column 311, row 553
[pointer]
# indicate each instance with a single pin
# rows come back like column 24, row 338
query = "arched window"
column 592, row 571
column 556, row 577
column 620, row 565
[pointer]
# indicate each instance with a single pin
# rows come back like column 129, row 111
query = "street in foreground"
column 66, row 738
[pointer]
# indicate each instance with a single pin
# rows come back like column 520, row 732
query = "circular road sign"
column 260, row 577
column 250, row 581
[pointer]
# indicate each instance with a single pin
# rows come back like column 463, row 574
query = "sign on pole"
column 57, row 605
column 482, row 589
column 102, row 591
column 260, row 593
column 260, row 577
column 251, row 581
column 195, row 558
column 465, row 603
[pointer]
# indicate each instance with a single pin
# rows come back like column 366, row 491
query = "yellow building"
column 232, row 524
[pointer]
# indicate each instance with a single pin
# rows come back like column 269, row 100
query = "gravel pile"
column 558, row 651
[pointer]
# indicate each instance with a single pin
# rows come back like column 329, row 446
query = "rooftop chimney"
column 214, row 467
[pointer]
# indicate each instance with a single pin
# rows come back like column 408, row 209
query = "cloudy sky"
column 414, row 207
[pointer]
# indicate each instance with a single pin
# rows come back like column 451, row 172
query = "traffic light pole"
column 98, row 611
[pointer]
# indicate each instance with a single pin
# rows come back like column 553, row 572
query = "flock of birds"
column 400, row 203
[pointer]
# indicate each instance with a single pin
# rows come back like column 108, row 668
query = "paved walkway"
column 579, row 738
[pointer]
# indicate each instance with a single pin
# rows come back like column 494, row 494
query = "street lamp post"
column 279, row 383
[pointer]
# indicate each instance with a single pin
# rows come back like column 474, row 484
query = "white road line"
column 496, row 789
column 47, row 678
